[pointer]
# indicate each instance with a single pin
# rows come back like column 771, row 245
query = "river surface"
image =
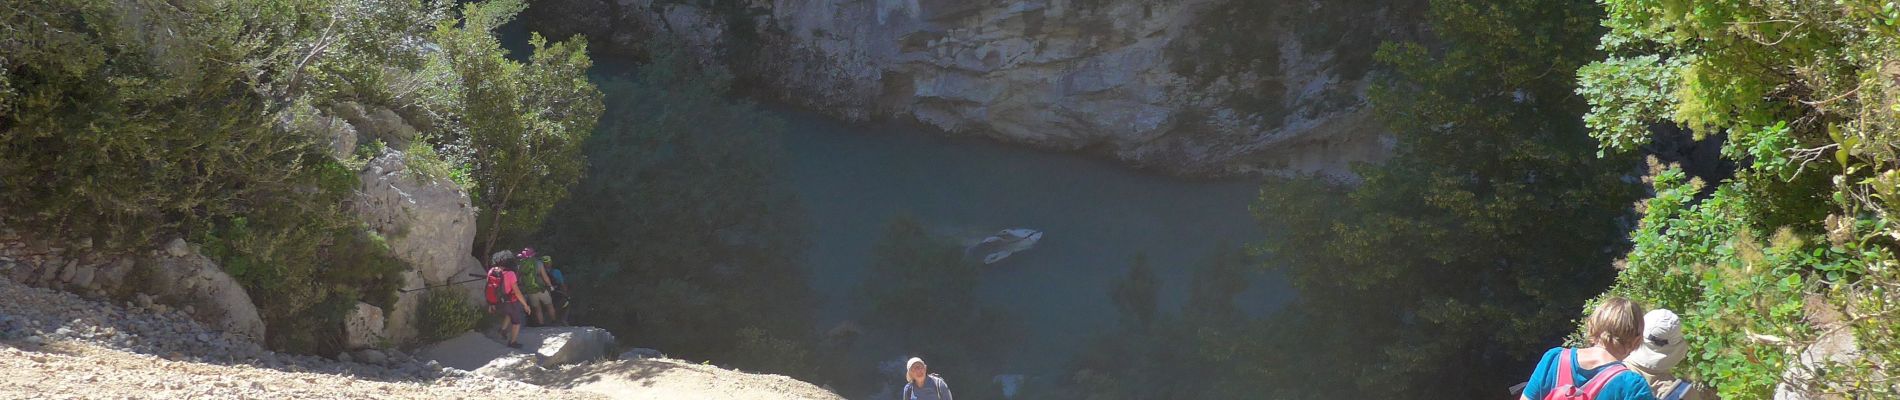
column 1096, row 215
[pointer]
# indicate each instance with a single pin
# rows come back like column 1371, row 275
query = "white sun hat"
column 1663, row 346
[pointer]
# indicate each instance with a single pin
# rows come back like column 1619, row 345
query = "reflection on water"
column 1095, row 216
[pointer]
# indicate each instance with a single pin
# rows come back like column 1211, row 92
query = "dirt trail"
column 57, row 345
column 80, row 370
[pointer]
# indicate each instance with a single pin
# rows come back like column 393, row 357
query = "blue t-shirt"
column 1626, row 386
column 555, row 274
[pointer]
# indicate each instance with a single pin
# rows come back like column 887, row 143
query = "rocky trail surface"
column 57, row 345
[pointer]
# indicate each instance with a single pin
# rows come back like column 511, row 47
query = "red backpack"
column 1567, row 388
column 497, row 289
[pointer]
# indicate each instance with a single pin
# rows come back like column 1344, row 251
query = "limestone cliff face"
column 1199, row 87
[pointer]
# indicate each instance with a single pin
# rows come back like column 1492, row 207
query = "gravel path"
column 57, row 345
column 82, row 370
column 660, row 379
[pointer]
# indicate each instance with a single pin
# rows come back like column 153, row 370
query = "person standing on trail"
column 1662, row 348
column 1615, row 330
column 920, row 384
column 504, row 291
column 534, row 285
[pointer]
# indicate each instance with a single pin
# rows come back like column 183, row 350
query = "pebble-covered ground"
column 57, row 345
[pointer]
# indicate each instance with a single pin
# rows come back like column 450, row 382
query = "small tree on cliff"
column 524, row 122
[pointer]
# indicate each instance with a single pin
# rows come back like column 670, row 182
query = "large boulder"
column 430, row 225
column 363, row 327
column 179, row 277
column 567, row 344
column 1834, row 350
column 546, row 347
column 193, row 280
column 467, row 352
column 377, row 122
column 339, row 133
column 399, row 324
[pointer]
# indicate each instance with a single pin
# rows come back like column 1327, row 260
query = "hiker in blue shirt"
column 558, row 290
column 1615, row 330
column 920, row 384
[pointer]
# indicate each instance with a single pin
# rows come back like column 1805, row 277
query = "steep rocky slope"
column 1198, row 87
column 58, row 345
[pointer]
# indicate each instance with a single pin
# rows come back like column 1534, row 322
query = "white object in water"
column 1007, row 242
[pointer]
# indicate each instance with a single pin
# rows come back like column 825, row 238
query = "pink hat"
column 527, row 252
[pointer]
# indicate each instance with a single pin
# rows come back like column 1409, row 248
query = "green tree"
column 524, row 122
column 1473, row 244
column 1807, row 98
column 681, row 228
column 130, row 122
column 920, row 290
column 1199, row 352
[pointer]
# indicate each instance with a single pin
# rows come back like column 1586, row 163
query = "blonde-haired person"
column 1662, row 348
column 1615, row 330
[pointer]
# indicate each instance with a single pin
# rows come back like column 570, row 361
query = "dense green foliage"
column 446, row 313
column 127, row 122
column 524, row 122
column 679, row 237
column 921, row 291
column 1196, row 353
column 1800, row 243
column 1475, row 243
column 124, row 122
column 1243, row 41
column 131, row 122
column 1471, row 247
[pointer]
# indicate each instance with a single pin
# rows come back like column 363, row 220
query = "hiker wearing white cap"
column 920, row 384
column 1662, row 348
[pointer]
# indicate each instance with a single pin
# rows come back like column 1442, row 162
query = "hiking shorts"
column 539, row 300
column 513, row 310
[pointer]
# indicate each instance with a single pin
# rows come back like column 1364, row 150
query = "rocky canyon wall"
column 1194, row 87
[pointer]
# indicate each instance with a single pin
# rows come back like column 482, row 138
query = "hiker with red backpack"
column 1615, row 330
column 503, row 290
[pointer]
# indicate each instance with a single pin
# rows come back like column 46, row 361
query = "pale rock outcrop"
column 196, row 281
column 544, row 347
column 363, row 327
column 177, row 275
column 567, row 344
column 429, row 224
column 1835, row 350
column 340, row 134
column 377, row 122
column 112, row 274
column 1107, row 76
column 468, row 351
column 1808, row 376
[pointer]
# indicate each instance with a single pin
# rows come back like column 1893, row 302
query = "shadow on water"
column 1096, row 217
